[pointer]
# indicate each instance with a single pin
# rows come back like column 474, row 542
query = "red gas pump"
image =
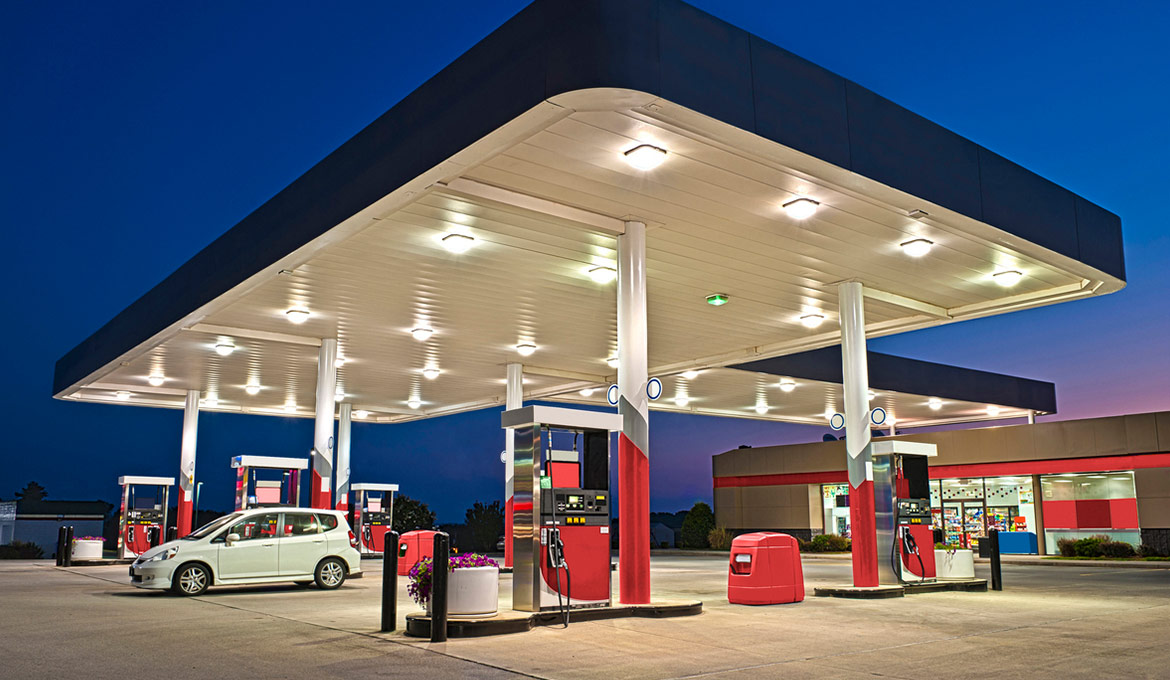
column 373, row 515
column 142, row 518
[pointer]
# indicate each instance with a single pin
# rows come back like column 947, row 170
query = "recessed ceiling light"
column 252, row 389
column 612, row 362
column 430, row 373
column 457, row 243
column 917, row 247
column 871, row 394
column 603, row 274
column 297, row 315
column 361, row 414
column 587, row 392
column 211, row 402
column 1008, row 277
column 811, row 320
column 338, row 394
column 414, row 403
column 290, row 407
column 690, row 375
column 801, row 208
column 525, row 349
column 935, row 403
column 156, row 380
column 717, row 299
column 122, row 395
column 787, row 385
column 422, row 333
column 761, row 409
column 339, row 361
column 645, row 157
column 829, row 413
column 224, row 348
column 993, row 410
column 681, row 401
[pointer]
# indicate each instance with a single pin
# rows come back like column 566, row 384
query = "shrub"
column 1091, row 546
column 697, row 525
column 1066, row 547
column 20, row 550
column 719, row 539
column 826, row 543
column 1150, row 551
column 1117, row 549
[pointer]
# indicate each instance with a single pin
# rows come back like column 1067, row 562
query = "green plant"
column 1066, row 546
column 822, row 543
column 410, row 514
column 697, row 525
column 1146, row 550
column 20, row 550
column 1117, row 549
column 1090, row 546
column 485, row 524
column 420, row 576
column 719, row 539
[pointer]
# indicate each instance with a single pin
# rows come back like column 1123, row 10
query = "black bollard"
column 442, row 555
column 172, row 533
column 61, row 546
column 390, row 582
column 68, row 558
column 993, row 549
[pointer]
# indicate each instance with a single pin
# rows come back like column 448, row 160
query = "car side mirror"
column 231, row 538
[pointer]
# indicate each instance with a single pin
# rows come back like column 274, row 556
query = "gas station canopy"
column 475, row 224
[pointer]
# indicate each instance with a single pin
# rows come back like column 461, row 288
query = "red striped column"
column 855, row 373
column 187, row 464
column 320, row 490
column 633, row 442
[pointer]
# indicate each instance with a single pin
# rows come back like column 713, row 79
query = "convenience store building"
column 1037, row 482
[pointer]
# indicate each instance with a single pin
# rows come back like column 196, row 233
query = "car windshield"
column 212, row 526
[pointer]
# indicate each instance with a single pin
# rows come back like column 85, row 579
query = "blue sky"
column 136, row 133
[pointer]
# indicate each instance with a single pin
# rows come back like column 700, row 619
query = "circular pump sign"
column 654, row 389
column 611, row 395
column 837, row 421
column 877, row 416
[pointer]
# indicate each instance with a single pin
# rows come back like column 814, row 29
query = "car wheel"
column 330, row 574
column 191, row 579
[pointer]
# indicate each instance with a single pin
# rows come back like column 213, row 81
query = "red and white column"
column 634, row 440
column 320, row 494
column 855, row 372
column 344, row 415
column 513, row 398
column 187, row 463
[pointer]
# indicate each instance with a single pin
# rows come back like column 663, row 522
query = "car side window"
column 328, row 522
column 300, row 523
column 257, row 526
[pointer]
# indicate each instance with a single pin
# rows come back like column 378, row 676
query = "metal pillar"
column 633, row 441
column 187, row 463
column 343, row 427
column 322, row 477
column 1031, row 417
column 513, row 398
column 855, row 370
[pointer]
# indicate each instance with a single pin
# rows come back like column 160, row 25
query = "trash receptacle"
column 412, row 547
column 765, row 569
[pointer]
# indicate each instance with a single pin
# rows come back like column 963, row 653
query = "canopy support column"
column 634, row 440
column 187, row 463
column 513, row 398
column 855, row 370
column 322, row 478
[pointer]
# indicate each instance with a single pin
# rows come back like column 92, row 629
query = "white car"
column 260, row 545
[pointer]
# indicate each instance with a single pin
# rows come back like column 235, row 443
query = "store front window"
column 966, row 509
column 835, row 499
column 1081, row 505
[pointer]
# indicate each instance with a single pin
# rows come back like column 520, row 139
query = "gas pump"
column 283, row 486
column 373, row 515
column 142, row 519
column 560, row 536
column 905, row 533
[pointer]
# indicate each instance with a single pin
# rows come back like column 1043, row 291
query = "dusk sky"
column 136, row 133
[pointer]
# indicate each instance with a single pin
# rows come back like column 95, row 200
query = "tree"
column 410, row 514
column 32, row 492
column 486, row 524
column 697, row 526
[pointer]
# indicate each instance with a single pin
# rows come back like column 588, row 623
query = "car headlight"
column 164, row 555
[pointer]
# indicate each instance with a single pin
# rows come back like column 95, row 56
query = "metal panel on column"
column 525, row 536
column 343, row 431
column 513, row 399
column 633, row 442
column 860, row 467
column 322, row 478
column 187, row 463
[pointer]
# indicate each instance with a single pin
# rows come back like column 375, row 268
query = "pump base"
column 880, row 592
column 418, row 624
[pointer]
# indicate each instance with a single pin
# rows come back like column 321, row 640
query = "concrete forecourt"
column 1049, row 621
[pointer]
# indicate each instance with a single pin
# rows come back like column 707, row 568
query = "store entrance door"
column 963, row 522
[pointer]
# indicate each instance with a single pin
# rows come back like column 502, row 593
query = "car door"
column 302, row 543
column 256, row 554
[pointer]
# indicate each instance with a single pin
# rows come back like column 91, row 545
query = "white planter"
column 472, row 593
column 87, row 550
column 954, row 565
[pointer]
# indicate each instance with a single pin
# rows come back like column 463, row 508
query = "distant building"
column 38, row 521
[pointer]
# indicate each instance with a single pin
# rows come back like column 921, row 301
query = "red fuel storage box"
column 765, row 569
column 412, row 547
